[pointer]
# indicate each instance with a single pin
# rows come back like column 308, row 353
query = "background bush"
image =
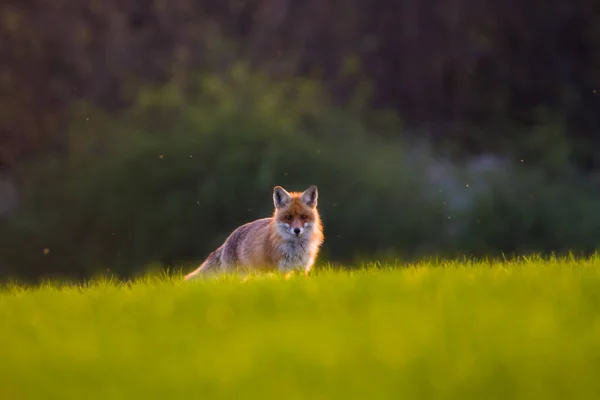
column 168, row 178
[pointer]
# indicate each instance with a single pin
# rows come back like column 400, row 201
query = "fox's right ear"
column 281, row 198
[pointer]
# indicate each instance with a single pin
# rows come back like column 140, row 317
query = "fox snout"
column 296, row 230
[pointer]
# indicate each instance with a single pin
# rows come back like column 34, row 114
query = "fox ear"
column 310, row 195
column 280, row 197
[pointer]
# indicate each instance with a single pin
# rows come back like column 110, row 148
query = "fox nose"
column 297, row 231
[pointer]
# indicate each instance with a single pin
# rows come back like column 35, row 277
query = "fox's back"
column 248, row 244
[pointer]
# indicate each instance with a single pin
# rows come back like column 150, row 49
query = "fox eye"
column 288, row 217
column 303, row 216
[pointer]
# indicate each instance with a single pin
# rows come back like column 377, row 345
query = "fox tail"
column 211, row 264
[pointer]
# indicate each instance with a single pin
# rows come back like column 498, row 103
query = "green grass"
column 527, row 330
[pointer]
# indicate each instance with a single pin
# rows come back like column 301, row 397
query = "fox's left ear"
column 310, row 195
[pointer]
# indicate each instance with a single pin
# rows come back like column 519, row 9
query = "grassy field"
column 526, row 330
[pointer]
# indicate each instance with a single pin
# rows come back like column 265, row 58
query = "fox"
column 288, row 241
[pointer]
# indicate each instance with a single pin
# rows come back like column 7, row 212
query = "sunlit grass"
column 513, row 330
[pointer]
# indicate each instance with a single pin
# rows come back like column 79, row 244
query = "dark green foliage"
column 167, row 180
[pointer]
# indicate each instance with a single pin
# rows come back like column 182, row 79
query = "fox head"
column 296, row 213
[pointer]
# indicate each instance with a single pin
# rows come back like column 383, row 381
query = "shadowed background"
column 142, row 132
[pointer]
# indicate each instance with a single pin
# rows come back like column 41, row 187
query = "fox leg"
column 308, row 267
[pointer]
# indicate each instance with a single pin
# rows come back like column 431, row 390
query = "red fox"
column 289, row 240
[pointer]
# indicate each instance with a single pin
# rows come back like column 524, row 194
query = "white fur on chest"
column 296, row 254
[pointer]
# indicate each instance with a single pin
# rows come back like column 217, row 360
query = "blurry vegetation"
column 167, row 180
column 145, row 132
column 465, row 69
